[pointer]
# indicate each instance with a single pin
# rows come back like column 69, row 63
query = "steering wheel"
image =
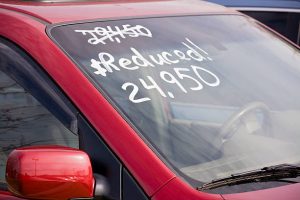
column 227, row 129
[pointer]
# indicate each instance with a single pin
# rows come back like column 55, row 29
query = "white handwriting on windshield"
column 102, row 34
column 180, row 74
column 106, row 63
column 200, row 77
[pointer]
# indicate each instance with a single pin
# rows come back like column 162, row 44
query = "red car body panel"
column 290, row 192
column 26, row 179
column 29, row 20
column 7, row 196
column 66, row 12
column 177, row 189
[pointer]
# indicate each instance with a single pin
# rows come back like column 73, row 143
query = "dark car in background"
column 281, row 15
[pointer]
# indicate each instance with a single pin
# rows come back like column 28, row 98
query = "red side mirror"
column 50, row 172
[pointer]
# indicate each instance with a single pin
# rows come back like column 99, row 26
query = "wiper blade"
column 271, row 173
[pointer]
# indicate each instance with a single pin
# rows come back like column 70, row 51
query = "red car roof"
column 65, row 12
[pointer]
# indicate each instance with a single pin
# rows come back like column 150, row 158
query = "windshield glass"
column 215, row 95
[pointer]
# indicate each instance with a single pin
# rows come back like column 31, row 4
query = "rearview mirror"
column 50, row 172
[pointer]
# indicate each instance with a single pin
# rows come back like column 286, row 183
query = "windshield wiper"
column 271, row 173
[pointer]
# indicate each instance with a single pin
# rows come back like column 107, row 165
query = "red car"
column 162, row 100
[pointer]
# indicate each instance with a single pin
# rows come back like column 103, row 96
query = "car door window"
column 26, row 108
column 25, row 122
column 33, row 111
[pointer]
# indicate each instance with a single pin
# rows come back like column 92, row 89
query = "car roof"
column 59, row 12
column 291, row 4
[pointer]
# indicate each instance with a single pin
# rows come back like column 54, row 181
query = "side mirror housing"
column 50, row 172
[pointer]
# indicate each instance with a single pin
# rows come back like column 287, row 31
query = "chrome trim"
column 298, row 37
column 267, row 9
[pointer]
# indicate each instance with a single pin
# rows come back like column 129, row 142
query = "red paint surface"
column 289, row 192
column 177, row 189
column 63, row 12
column 8, row 196
column 53, row 173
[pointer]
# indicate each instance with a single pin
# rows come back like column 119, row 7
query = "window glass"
column 215, row 95
column 25, row 122
column 286, row 23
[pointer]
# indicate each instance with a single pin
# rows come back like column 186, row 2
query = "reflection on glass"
column 25, row 122
column 215, row 95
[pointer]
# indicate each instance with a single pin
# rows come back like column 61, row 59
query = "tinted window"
column 25, row 122
column 26, row 96
column 285, row 23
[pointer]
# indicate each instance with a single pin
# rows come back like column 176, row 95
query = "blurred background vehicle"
column 281, row 15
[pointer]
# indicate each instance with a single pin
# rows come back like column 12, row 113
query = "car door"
column 34, row 111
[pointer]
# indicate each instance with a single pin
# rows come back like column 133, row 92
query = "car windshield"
column 214, row 95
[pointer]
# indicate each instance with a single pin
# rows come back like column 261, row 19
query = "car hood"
column 289, row 192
